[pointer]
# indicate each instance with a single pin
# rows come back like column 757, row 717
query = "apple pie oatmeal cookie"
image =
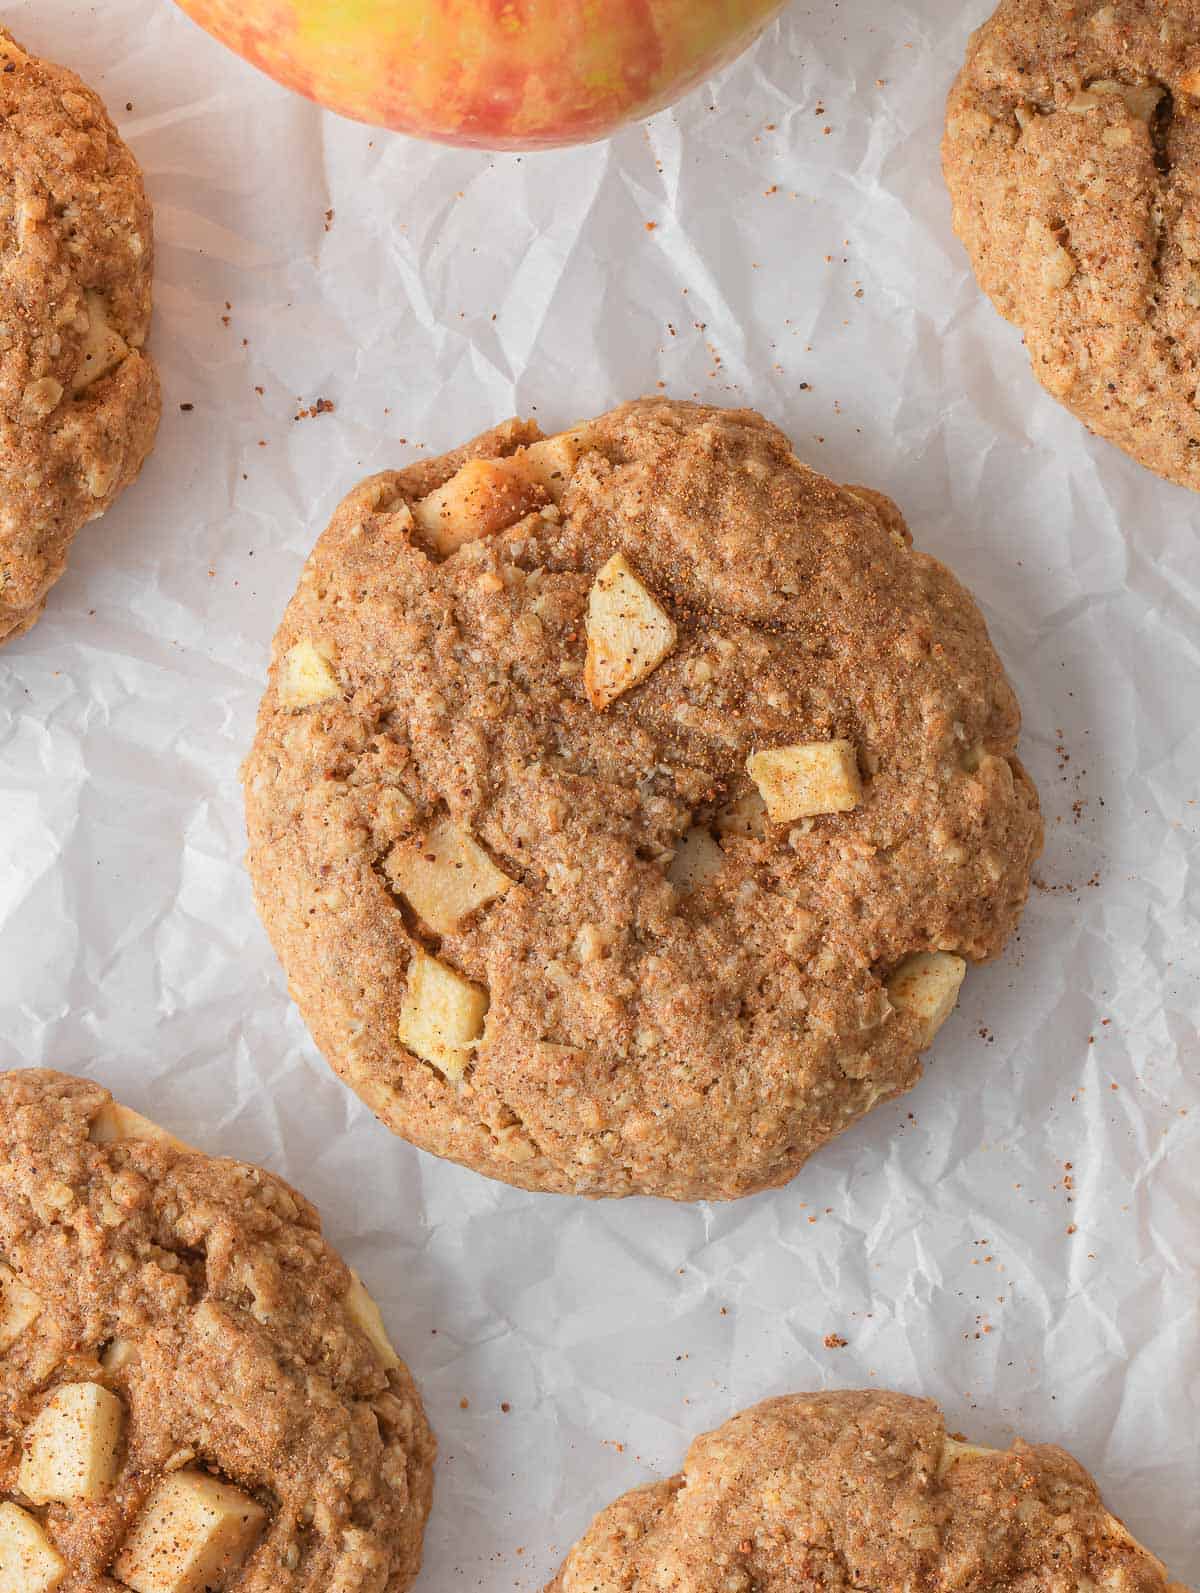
column 1072, row 153
column 79, row 400
column 860, row 1490
column 196, row 1394
column 626, row 805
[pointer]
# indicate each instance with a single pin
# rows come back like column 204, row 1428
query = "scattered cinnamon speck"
column 835, row 1341
column 323, row 406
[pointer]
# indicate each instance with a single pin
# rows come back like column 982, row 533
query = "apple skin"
column 496, row 74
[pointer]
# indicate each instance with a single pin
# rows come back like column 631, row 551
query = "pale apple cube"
column 445, row 875
column 483, row 497
column 103, row 348
column 113, row 1123
column 29, row 1562
column 954, row 1450
column 369, row 1318
column 442, row 1015
column 19, row 1308
column 925, row 986
column 191, row 1537
column 629, row 633
column 71, row 1449
column 697, row 860
column 803, row 781
column 551, row 461
column 307, row 676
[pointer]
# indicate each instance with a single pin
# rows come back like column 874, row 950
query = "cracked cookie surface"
column 860, row 1490
column 1072, row 154
column 195, row 1392
column 79, row 399
column 626, row 805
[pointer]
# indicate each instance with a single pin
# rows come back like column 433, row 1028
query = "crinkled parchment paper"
column 1019, row 1238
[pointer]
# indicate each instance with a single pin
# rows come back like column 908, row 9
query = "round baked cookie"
column 1072, row 153
column 626, row 804
column 860, row 1490
column 79, row 400
column 196, row 1394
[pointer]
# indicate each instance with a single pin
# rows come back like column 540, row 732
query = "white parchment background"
column 800, row 235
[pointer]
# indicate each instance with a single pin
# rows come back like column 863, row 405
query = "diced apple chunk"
column 29, row 1562
column 370, row 1319
column 483, row 497
column 307, row 676
column 551, row 461
column 103, row 348
column 72, row 1445
column 114, row 1122
column 954, row 1450
column 803, row 781
column 19, row 1307
column 192, row 1535
column 442, row 1015
column 629, row 633
column 697, row 860
column 445, row 875
column 925, row 986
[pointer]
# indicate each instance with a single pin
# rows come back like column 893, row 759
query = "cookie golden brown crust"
column 184, row 1312
column 500, row 803
column 79, row 400
column 1072, row 153
column 859, row 1490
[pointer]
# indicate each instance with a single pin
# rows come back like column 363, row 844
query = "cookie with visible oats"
column 79, row 399
column 627, row 804
column 860, row 1490
column 1072, row 153
column 196, row 1394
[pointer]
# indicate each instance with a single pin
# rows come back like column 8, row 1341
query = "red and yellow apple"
column 499, row 74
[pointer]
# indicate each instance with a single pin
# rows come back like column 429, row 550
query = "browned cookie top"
column 1072, row 153
column 863, row 1491
column 79, row 401
column 195, row 1392
column 506, row 802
